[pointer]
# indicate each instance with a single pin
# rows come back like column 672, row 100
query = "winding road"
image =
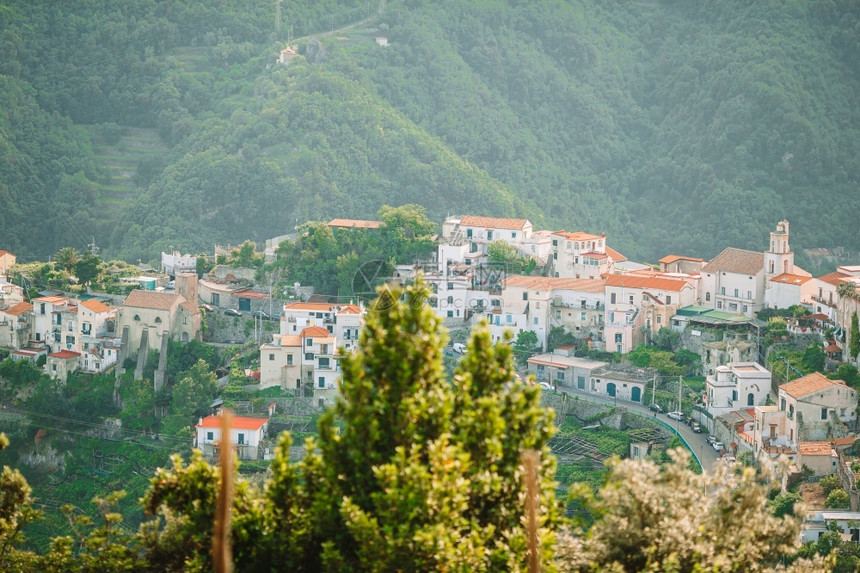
column 698, row 443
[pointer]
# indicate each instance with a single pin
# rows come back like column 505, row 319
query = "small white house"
column 246, row 434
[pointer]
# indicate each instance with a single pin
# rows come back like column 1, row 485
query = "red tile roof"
column 615, row 255
column 814, row 448
column 551, row 283
column 350, row 309
column 739, row 261
column 314, row 331
column 578, row 236
column 633, row 281
column 672, row 258
column 151, row 299
column 809, row 384
column 355, row 224
column 52, row 299
column 64, row 354
column 19, row 309
column 788, row 278
column 318, row 306
column 835, row 278
column 238, row 423
column 493, row 222
column 95, row 305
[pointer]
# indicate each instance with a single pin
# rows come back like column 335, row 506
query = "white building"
column 246, row 435
column 737, row 386
column 564, row 371
column 787, row 290
column 176, row 263
column 640, row 305
column 580, row 255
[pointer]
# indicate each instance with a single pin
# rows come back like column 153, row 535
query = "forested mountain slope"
column 671, row 126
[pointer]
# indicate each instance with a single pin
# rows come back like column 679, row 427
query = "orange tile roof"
column 19, row 309
column 672, row 258
column 52, row 299
column 814, row 448
column 739, row 261
column 835, row 278
column 578, row 235
column 809, row 384
column 615, row 255
column 844, row 441
column 95, row 305
column 309, row 306
column 151, row 299
column 314, row 331
column 64, row 354
column 355, row 224
column 551, row 283
column 493, row 222
column 633, row 281
column 5, row 253
column 291, row 340
column 350, row 309
column 788, row 278
column 238, row 423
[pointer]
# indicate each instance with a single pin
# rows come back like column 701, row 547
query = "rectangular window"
column 309, row 355
column 824, row 413
column 324, row 363
column 631, row 299
column 612, row 298
column 70, row 340
column 309, row 341
column 508, row 318
column 668, row 299
column 736, row 292
column 513, row 234
column 210, row 436
column 468, row 233
column 489, row 235
column 554, row 244
column 241, row 439
column 580, row 382
column 525, row 296
column 722, row 290
column 42, row 308
column 450, row 314
column 559, row 376
column 555, row 256
column 782, row 404
column 582, row 316
column 289, row 359
column 450, row 286
column 719, row 304
column 619, row 337
column 321, row 382
column 611, row 317
column 271, row 356
column 536, row 320
column 707, row 296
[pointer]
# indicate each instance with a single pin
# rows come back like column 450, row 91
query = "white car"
column 676, row 415
column 546, row 387
column 718, row 446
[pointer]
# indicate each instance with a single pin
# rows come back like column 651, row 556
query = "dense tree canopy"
column 172, row 120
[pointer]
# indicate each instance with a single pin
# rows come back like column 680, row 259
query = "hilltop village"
column 746, row 348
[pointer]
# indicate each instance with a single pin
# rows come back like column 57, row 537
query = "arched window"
column 750, row 399
column 137, row 317
column 157, row 320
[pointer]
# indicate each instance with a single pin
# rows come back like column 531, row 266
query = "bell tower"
column 778, row 259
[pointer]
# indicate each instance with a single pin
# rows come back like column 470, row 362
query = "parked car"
column 207, row 307
column 718, row 446
column 232, row 312
column 546, row 387
column 676, row 415
column 696, row 427
column 656, row 408
column 260, row 314
column 711, row 439
column 459, row 347
column 170, row 286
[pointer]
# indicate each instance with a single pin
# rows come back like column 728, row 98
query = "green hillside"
column 671, row 126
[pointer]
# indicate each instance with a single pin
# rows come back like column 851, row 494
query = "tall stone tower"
column 186, row 285
column 778, row 259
